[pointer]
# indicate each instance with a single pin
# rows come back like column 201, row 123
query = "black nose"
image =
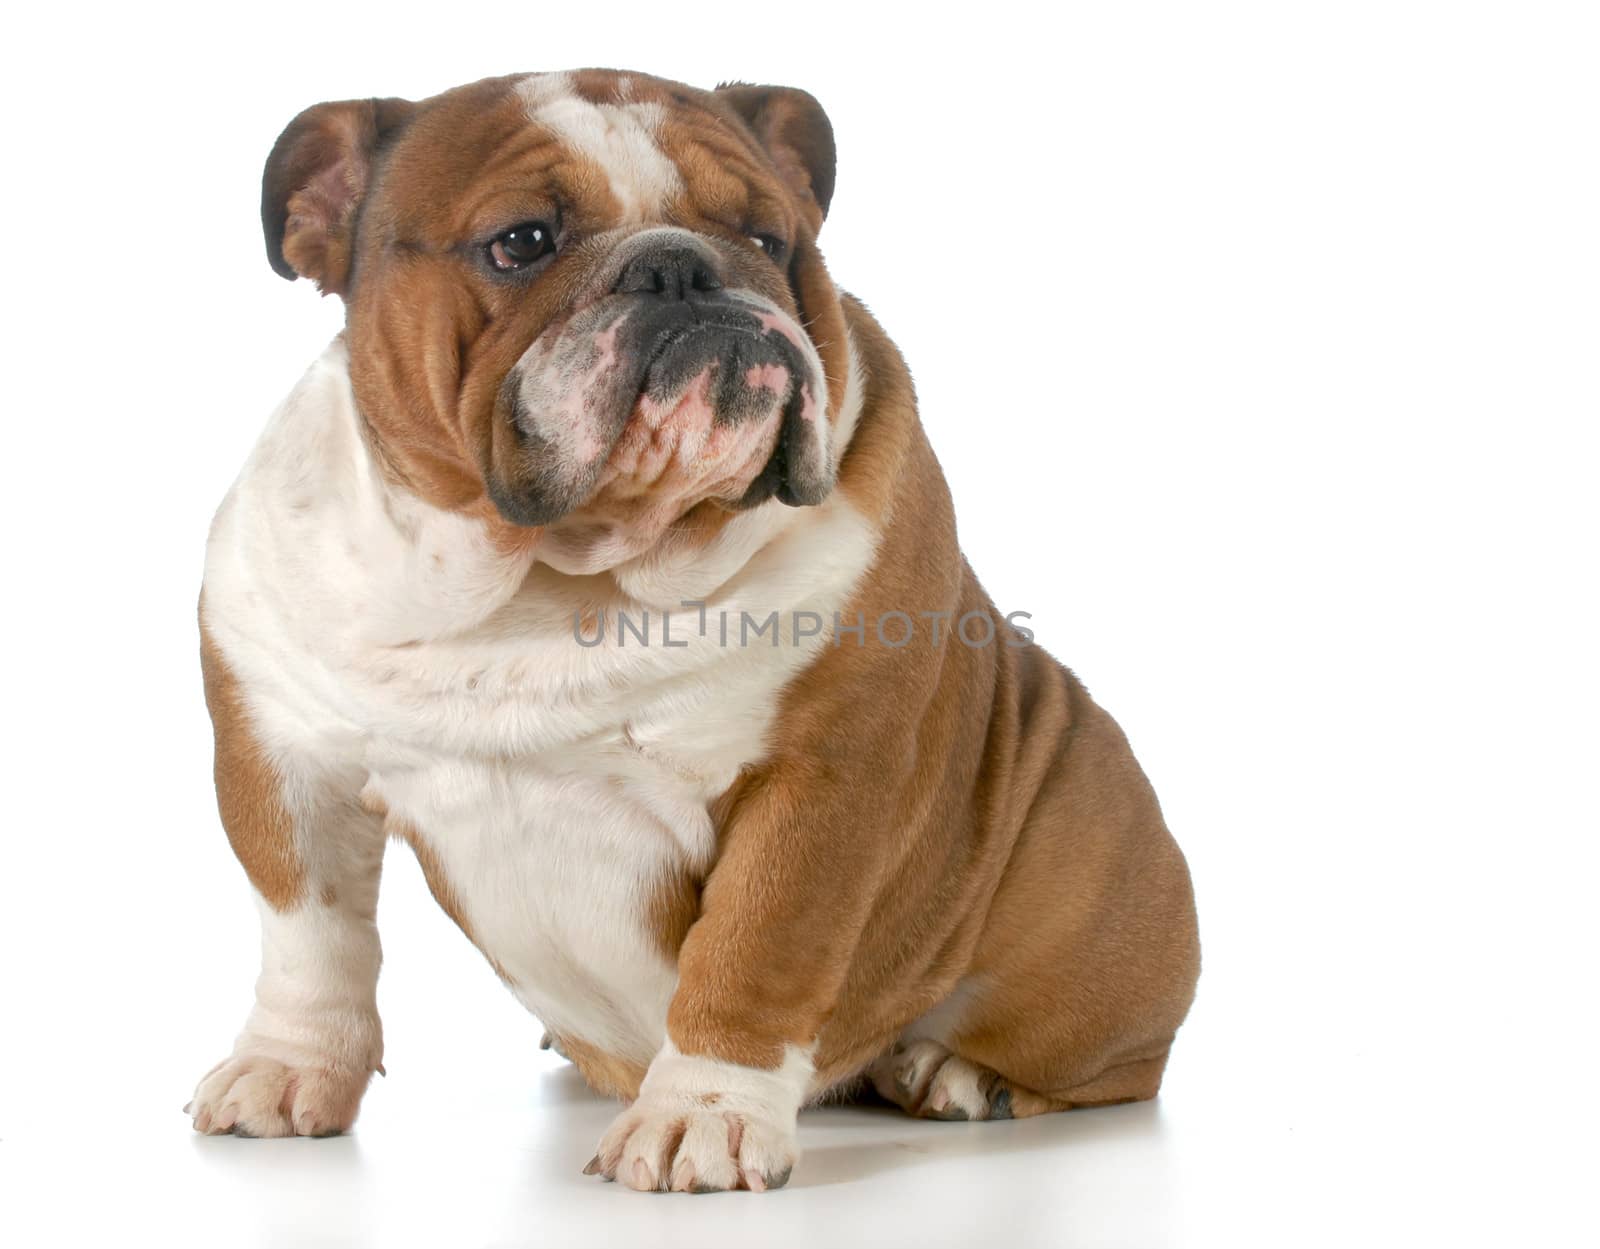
column 672, row 270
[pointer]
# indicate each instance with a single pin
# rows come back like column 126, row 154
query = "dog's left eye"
column 772, row 246
column 521, row 245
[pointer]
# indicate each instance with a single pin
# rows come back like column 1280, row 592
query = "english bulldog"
column 603, row 559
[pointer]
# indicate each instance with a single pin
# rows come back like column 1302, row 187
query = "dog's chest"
column 559, row 798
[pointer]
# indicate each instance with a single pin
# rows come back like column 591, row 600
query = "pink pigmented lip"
column 772, row 321
column 697, row 395
column 772, row 377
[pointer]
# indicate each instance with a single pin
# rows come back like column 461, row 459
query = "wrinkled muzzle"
column 665, row 392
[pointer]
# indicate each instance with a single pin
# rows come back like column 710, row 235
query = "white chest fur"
column 557, row 785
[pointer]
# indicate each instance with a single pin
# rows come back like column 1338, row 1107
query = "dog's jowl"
column 593, row 372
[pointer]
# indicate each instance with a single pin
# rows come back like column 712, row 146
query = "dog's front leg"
column 759, row 973
column 313, row 856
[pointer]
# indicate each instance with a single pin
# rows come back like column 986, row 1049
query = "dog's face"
column 588, row 304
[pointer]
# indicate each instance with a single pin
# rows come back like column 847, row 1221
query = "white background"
column 1258, row 341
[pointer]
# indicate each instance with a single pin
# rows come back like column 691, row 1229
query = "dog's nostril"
column 673, row 272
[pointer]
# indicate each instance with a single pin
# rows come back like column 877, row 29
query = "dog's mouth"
column 671, row 402
column 724, row 372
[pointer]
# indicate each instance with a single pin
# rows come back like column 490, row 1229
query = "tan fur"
column 674, row 907
column 248, row 789
column 606, row 1074
column 1010, row 839
column 926, row 817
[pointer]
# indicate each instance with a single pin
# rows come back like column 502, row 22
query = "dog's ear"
column 314, row 182
column 796, row 133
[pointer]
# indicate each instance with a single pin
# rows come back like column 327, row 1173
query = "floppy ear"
column 795, row 132
column 314, row 182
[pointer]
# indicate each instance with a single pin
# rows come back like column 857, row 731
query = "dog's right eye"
column 771, row 245
column 521, row 245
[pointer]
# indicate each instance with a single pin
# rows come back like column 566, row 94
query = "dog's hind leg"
column 929, row 1081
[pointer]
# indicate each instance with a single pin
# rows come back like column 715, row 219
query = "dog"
column 603, row 559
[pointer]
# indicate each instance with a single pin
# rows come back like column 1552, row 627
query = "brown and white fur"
column 728, row 879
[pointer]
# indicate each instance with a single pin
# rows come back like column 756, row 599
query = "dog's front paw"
column 704, row 1126
column 656, row 1145
column 250, row 1095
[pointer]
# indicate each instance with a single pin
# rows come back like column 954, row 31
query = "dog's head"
column 593, row 299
